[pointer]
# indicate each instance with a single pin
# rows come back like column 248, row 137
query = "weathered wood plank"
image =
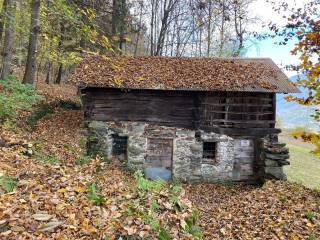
column 239, row 104
column 231, row 113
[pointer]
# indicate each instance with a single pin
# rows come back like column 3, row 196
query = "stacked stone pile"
column 275, row 155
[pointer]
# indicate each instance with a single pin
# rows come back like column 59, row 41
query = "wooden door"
column 243, row 160
column 159, row 153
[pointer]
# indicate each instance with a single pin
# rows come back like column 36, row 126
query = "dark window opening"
column 209, row 152
column 119, row 145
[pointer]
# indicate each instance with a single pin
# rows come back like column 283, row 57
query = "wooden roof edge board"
column 83, row 87
column 183, row 74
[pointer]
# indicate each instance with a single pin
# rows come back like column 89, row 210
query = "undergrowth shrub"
column 44, row 110
column 47, row 159
column 153, row 190
column 82, row 160
column 144, row 185
column 8, row 183
column 68, row 104
column 93, row 196
column 192, row 226
column 47, row 109
column 15, row 96
column 309, row 137
column 310, row 216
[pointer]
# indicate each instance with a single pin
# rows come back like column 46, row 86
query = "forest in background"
column 56, row 35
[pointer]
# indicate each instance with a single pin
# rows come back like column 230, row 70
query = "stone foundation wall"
column 187, row 149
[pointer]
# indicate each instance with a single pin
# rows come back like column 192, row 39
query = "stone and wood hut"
column 195, row 119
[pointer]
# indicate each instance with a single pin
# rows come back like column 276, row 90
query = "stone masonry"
column 187, row 152
column 187, row 149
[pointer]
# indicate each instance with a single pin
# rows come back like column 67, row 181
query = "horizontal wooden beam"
column 237, row 104
column 239, row 121
column 243, row 113
column 242, row 131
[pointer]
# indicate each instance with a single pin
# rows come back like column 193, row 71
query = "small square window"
column 209, row 152
column 119, row 146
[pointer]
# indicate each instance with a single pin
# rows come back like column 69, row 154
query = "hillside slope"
column 292, row 115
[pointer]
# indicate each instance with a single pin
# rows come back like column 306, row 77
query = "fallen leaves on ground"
column 274, row 211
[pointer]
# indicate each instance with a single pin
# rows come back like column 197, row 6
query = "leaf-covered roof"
column 182, row 73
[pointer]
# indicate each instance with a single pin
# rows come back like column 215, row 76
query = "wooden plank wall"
column 237, row 110
column 231, row 113
column 163, row 107
column 243, row 168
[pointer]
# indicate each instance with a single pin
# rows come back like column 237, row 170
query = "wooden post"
column 258, row 161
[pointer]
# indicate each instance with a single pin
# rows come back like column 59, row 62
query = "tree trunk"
column 222, row 31
column 119, row 12
column 209, row 28
column 8, row 39
column 60, row 47
column 49, row 66
column 31, row 66
column 239, row 31
column 152, row 27
column 167, row 10
column 139, row 31
column 59, row 76
column 2, row 20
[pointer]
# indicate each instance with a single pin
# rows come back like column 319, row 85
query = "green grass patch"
column 149, row 190
column 93, row 196
column 15, row 96
column 192, row 226
column 164, row 234
column 47, row 159
column 82, row 160
column 8, row 183
column 312, row 237
column 145, row 185
column 304, row 168
column 310, row 216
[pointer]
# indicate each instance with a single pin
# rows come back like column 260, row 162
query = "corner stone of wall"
column 187, row 157
column 275, row 155
column 98, row 140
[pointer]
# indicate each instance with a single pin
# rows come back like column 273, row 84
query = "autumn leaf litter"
column 50, row 201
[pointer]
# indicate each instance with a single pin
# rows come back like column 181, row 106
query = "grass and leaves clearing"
column 50, row 189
